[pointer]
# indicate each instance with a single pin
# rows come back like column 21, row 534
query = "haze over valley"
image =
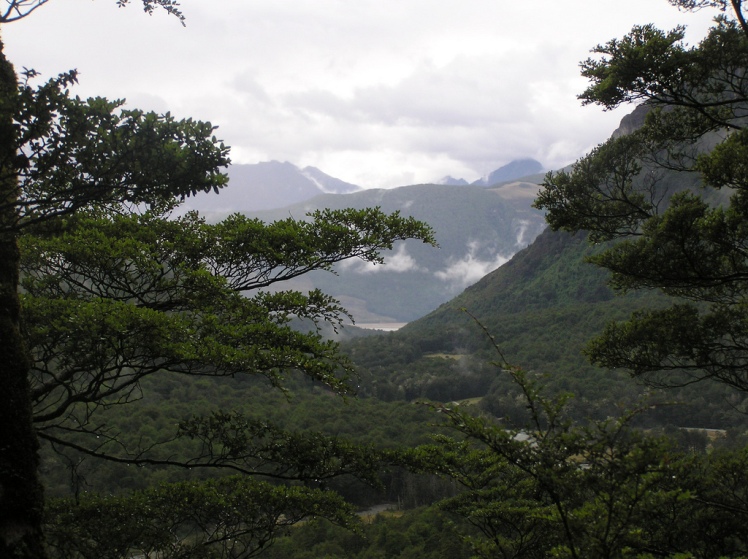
column 328, row 286
column 478, row 228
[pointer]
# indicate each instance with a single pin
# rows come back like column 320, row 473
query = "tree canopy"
column 670, row 198
column 666, row 202
column 114, row 288
column 103, row 285
column 548, row 486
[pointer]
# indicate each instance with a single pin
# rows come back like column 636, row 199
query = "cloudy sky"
column 379, row 93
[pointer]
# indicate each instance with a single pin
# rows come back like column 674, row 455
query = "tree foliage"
column 73, row 154
column 550, row 487
column 115, row 288
column 638, row 191
column 227, row 517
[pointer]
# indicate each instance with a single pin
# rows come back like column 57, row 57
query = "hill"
column 267, row 185
column 541, row 308
column 477, row 229
column 511, row 171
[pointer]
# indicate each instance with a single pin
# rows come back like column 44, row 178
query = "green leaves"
column 669, row 232
column 656, row 67
column 257, row 446
column 252, row 254
column 678, row 346
column 110, row 299
column 635, row 497
column 600, row 490
column 603, row 194
column 647, row 63
column 81, row 154
column 726, row 165
column 228, row 517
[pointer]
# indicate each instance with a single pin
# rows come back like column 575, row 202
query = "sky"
column 379, row 93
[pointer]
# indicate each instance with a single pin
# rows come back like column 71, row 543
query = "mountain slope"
column 511, row 171
column 540, row 309
column 477, row 230
column 268, row 185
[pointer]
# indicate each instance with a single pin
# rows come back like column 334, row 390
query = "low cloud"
column 521, row 230
column 398, row 262
column 470, row 268
column 355, row 89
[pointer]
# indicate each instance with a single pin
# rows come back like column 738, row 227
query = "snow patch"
column 306, row 174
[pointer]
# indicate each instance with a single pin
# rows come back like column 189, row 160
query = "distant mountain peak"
column 268, row 185
column 328, row 184
column 513, row 170
column 451, row 181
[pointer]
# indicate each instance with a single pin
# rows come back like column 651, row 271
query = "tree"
column 552, row 488
column 114, row 290
column 20, row 492
column 670, row 198
column 549, row 487
column 227, row 517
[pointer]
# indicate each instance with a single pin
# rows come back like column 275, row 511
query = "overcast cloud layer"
column 379, row 93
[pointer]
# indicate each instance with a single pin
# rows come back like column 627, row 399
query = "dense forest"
column 166, row 395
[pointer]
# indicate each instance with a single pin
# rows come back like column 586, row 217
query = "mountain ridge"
column 271, row 185
column 476, row 228
column 515, row 169
column 267, row 185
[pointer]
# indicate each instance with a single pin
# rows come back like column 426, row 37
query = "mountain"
column 477, row 229
column 268, row 185
column 450, row 180
column 516, row 169
column 328, row 184
column 540, row 309
column 544, row 304
column 545, row 285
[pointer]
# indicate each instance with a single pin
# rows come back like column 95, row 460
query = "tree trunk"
column 21, row 496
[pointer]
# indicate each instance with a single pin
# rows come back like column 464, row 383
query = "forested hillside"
column 585, row 400
column 542, row 308
column 476, row 230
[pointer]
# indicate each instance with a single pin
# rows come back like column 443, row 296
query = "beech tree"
column 670, row 198
column 113, row 289
column 551, row 487
column 666, row 203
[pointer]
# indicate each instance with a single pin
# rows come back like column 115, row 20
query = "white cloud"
column 521, row 230
column 470, row 268
column 380, row 93
column 398, row 262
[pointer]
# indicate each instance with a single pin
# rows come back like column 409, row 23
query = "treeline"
column 170, row 400
column 446, row 367
column 424, row 533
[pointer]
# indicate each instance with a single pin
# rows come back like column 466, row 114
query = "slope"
column 267, row 185
column 477, row 230
column 541, row 308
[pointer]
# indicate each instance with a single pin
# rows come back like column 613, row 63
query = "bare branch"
column 18, row 9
